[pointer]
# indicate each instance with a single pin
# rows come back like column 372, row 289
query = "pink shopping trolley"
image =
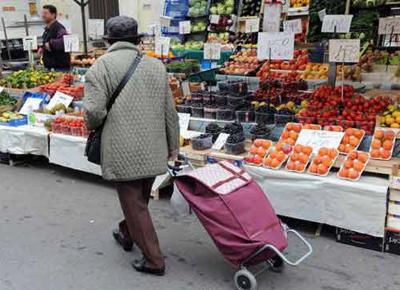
column 239, row 218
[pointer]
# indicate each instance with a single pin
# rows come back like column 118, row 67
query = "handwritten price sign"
column 252, row 25
column 318, row 139
column 389, row 25
column 275, row 45
column 212, row 51
column 344, row 50
column 293, row 26
column 337, row 23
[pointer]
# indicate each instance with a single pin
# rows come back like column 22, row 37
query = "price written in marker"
column 272, row 17
column 214, row 19
column 30, row 43
column 344, row 50
column 220, row 142
column 252, row 25
column 185, row 27
column 389, row 25
column 293, row 26
column 71, row 43
column 212, row 51
column 318, row 139
column 277, row 45
column 336, row 23
column 96, row 27
column 162, row 45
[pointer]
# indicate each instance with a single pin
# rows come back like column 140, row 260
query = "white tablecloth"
column 24, row 140
column 68, row 151
column 359, row 206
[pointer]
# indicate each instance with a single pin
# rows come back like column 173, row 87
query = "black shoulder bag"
column 93, row 145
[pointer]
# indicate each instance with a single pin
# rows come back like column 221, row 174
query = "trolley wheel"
column 277, row 265
column 245, row 280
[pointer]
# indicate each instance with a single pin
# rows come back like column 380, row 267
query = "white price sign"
column 184, row 27
column 30, row 43
column 30, row 105
column 162, row 45
column 184, row 120
column 293, row 26
column 337, row 23
column 344, row 50
column 234, row 19
column 389, row 25
column 214, row 19
column 320, row 138
column 272, row 17
column 212, row 51
column 71, row 43
column 252, row 25
column 322, row 14
column 1, row 89
column 220, row 142
column 165, row 21
column 60, row 98
column 275, row 45
column 96, row 27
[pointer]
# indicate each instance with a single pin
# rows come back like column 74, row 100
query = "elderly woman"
column 141, row 132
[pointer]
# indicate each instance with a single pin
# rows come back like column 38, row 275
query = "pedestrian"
column 52, row 50
column 140, row 134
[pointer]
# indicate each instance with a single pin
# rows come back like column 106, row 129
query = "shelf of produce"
column 374, row 166
column 24, row 140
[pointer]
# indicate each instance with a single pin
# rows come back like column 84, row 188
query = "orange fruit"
column 346, row 140
column 275, row 163
column 317, row 160
column 348, row 164
column 349, row 132
column 387, row 144
column 354, row 141
column 253, row 150
column 342, row 148
column 359, row 166
column 379, row 134
column 307, row 150
column 327, row 161
column 293, row 135
column 290, row 141
column 281, row 156
column 300, row 167
column 261, row 152
column 389, row 134
column 298, row 148
column 353, row 174
column 285, row 134
column 349, row 149
column 332, row 153
column 258, row 143
column 296, row 128
column 313, row 168
column 303, row 158
column 266, row 144
column 295, row 157
column 289, row 127
column 363, row 157
column 274, row 154
column 344, row 173
column 323, row 151
column 385, row 154
column 279, row 146
column 353, row 155
column 257, row 160
column 291, row 165
column 358, row 133
column 376, row 144
column 375, row 153
column 322, row 169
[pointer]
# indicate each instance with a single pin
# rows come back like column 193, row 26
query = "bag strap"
column 125, row 80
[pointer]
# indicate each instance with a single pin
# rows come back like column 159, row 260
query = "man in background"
column 54, row 55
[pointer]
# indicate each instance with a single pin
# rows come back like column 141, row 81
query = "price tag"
column 337, row 23
column 320, row 138
column 184, row 27
column 71, row 43
column 293, row 26
column 184, row 120
column 389, row 25
column 1, row 89
column 272, row 17
column 344, row 50
column 322, row 14
column 252, row 25
column 165, row 21
column 162, row 45
column 214, row 19
column 185, row 89
column 220, row 142
column 31, row 104
column 277, row 45
column 234, row 19
column 30, row 43
column 212, row 51
column 285, row 6
column 96, row 27
column 60, row 98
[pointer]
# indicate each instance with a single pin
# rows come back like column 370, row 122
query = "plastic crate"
column 16, row 122
column 176, row 8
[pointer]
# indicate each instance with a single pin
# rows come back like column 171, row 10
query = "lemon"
column 389, row 120
column 397, row 120
column 396, row 114
column 395, row 125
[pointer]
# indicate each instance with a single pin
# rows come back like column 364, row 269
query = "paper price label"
column 344, row 50
column 214, row 19
column 252, row 25
column 320, row 138
column 162, row 45
column 220, row 142
column 285, row 6
column 184, row 27
column 212, row 51
column 234, row 19
column 337, row 23
column 293, row 26
column 60, row 98
column 71, row 43
column 30, row 43
column 272, row 17
column 275, row 45
column 96, row 27
column 184, row 120
column 322, row 14
column 389, row 25
column 165, row 21
column 30, row 105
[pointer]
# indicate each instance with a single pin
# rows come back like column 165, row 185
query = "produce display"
column 198, row 8
column 351, row 140
column 258, row 151
column 186, row 67
column 9, row 117
column 7, row 102
column 28, row 78
column 291, row 133
column 243, row 63
column 278, row 156
column 312, row 127
column 391, row 117
column 251, row 8
column 198, row 26
column 65, row 86
column 382, row 145
column 82, row 60
column 70, row 126
column 299, row 3
column 354, row 165
column 299, row 159
column 224, row 23
column 222, row 7
column 323, row 161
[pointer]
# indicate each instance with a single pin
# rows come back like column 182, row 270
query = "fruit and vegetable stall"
column 315, row 122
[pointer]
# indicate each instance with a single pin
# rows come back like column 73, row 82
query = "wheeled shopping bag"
column 238, row 217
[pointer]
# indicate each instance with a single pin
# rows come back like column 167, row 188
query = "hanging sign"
column 293, row 26
column 389, row 25
column 252, row 25
column 344, row 50
column 212, row 51
column 96, row 27
column 30, row 43
column 184, row 27
column 162, row 46
column 272, row 17
column 71, row 43
column 337, row 23
column 275, row 45
column 318, row 139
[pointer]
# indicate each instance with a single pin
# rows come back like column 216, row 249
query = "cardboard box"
column 359, row 240
column 392, row 241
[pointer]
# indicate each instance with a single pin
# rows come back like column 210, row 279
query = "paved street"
column 55, row 233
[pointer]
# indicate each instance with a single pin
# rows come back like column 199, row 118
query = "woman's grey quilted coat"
column 142, row 126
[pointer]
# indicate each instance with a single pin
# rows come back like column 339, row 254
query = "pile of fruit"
column 243, row 63
column 391, row 117
column 291, row 133
column 197, row 8
column 73, row 91
column 222, row 7
column 28, row 78
column 6, row 102
column 299, row 3
column 278, row 156
column 258, row 151
column 299, row 62
column 222, row 37
column 299, row 159
column 251, row 8
column 70, row 126
column 8, row 117
column 186, row 67
column 83, row 61
column 315, row 71
column 198, row 26
column 323, row 161
column 351, row 140
column 354, row 165
column 224, row 23
column 382, row 145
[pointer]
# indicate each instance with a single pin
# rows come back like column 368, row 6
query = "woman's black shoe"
column 141, row 267
column 123, row 241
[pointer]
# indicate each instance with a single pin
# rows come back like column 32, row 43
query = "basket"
column 235, row 149
column 202, row 142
